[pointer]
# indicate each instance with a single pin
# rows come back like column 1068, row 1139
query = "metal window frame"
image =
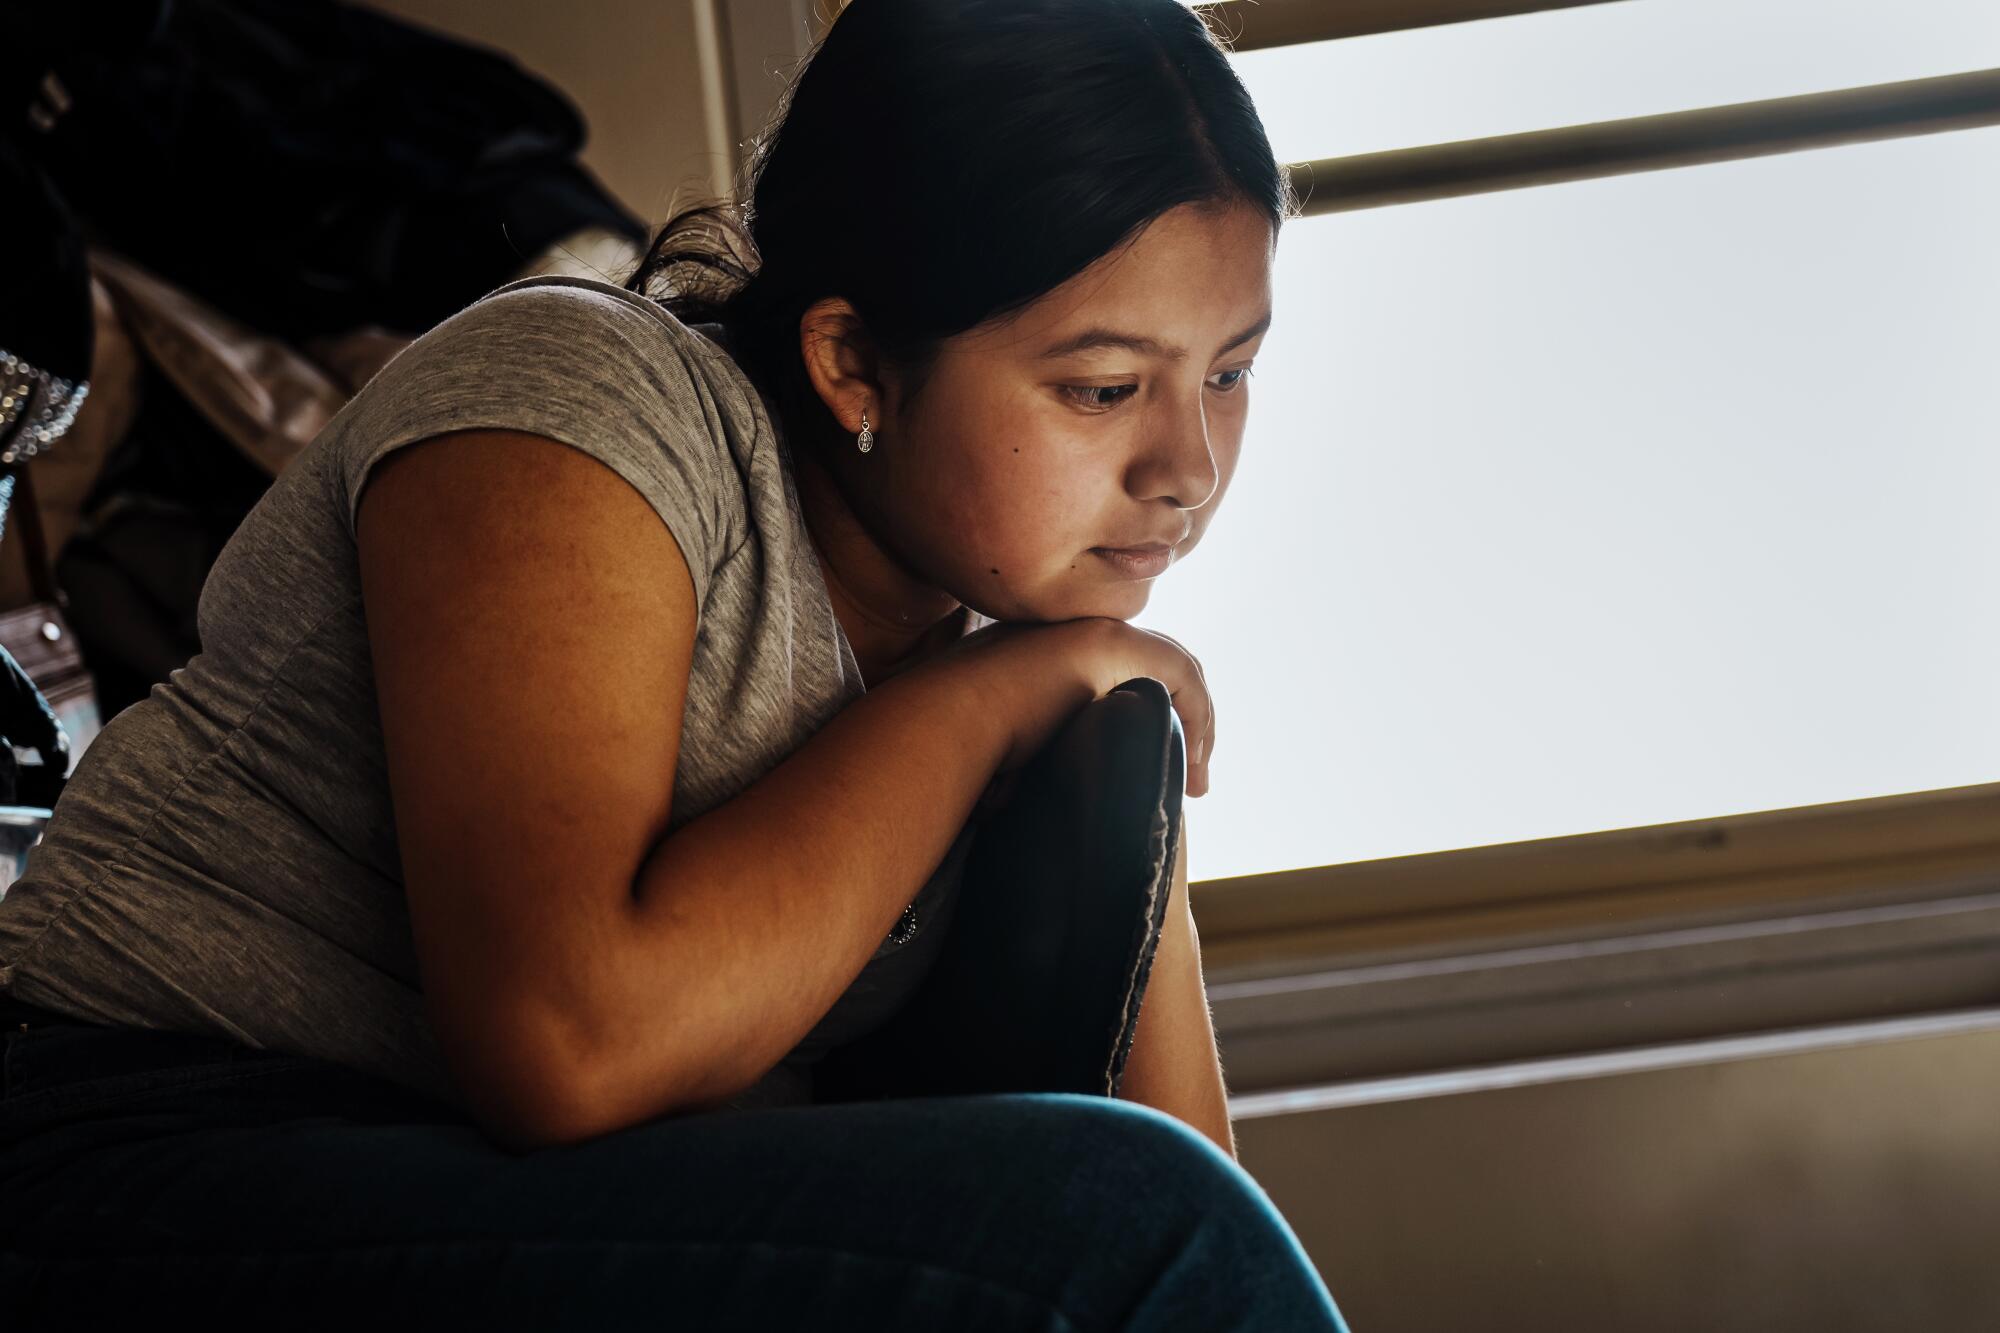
column 1258, row 25
column 1329, row 984
column 1648, row 143
column 1647, row 947
column 1423, row 172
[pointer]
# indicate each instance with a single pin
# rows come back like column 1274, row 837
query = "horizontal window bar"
column 1380, row 1017
column 1603, row 957
column 1594, row 65
column 1601, row 1064
column 1764, row 862
column 1258, row 25
column 1649, row 143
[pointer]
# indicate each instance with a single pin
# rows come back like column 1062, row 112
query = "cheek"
column 1022, row 533
column 1024, row 501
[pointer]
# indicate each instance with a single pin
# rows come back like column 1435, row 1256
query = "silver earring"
column 866, row 439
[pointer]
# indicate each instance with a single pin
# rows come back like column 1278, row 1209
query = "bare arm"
column 1174, row 1065
column 791, row 886
column 531, row 622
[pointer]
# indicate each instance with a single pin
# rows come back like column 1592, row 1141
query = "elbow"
column 521, row 1077
column 568, row 1096
column 514, row 1133
column 559, row 1118
column 530, row 1104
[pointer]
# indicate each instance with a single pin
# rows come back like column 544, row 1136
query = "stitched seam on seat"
column 1158, row 830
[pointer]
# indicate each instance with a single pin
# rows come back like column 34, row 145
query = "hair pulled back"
column 942, row 163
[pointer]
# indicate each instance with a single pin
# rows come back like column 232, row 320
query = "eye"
column 1082, row 393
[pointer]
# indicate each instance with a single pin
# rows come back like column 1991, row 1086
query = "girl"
column 580, row 717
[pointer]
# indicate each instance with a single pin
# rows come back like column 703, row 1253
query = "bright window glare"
column 1598, row 62
column 1630, row 500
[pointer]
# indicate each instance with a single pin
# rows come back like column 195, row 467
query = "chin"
column 1110, row 604
column 1122, row 601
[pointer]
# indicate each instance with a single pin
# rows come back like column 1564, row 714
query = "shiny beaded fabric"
column 36, row 407
column 905, row 928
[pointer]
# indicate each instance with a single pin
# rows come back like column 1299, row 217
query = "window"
column 1594, row 63
column 1626, row 500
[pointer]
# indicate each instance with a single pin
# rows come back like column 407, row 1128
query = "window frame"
column 1364, row 980
column 1811, row 924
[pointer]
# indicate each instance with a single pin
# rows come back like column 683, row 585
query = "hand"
column 1044, row 671
column 1121, row 651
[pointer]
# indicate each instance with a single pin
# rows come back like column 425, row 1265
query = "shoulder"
column 559, row 348
column 579, row 315
column 585, row 363
column 571, row 295
column 591, row 343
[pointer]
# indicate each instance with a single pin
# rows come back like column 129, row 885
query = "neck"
column 892, row 619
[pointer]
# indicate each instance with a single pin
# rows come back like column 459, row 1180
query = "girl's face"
column 1109, row 413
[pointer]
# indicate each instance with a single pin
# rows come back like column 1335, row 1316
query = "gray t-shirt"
column 224, row 858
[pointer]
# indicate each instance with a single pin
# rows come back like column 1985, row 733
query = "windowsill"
column 1845, row 913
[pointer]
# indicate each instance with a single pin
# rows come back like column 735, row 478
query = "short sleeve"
column 580, row 363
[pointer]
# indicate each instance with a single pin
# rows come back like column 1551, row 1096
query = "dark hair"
column 940, row 163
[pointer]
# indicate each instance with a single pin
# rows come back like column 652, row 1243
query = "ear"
column 840, row 361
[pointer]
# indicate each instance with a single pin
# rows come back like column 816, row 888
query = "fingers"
column 1200, row 729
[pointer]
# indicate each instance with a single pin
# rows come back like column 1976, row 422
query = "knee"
column 1194, row 1230
column 1138, row 1145
column 1113, row 1122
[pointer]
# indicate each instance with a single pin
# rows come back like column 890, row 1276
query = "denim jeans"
column 168, row 1177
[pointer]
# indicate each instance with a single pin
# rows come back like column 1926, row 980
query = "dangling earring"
column 866, row 439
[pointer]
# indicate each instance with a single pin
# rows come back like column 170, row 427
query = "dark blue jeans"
column 166, row 1177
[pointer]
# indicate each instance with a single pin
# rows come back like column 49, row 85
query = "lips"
column 1149, row 543
column 1147, row 548
column 1146, row 563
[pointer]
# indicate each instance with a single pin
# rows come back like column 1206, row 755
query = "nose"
column 1179, row 462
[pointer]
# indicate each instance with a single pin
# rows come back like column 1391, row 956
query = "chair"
column 1051, row 936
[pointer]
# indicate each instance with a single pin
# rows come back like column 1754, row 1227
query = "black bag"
column 27, row 722
column 46, row 332
column 346, row 168
column 1052, row 934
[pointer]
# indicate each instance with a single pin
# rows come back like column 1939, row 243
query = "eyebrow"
column 1092, row 339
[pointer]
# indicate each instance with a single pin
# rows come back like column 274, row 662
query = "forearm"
column 749, row 922
column 1174, row 1065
